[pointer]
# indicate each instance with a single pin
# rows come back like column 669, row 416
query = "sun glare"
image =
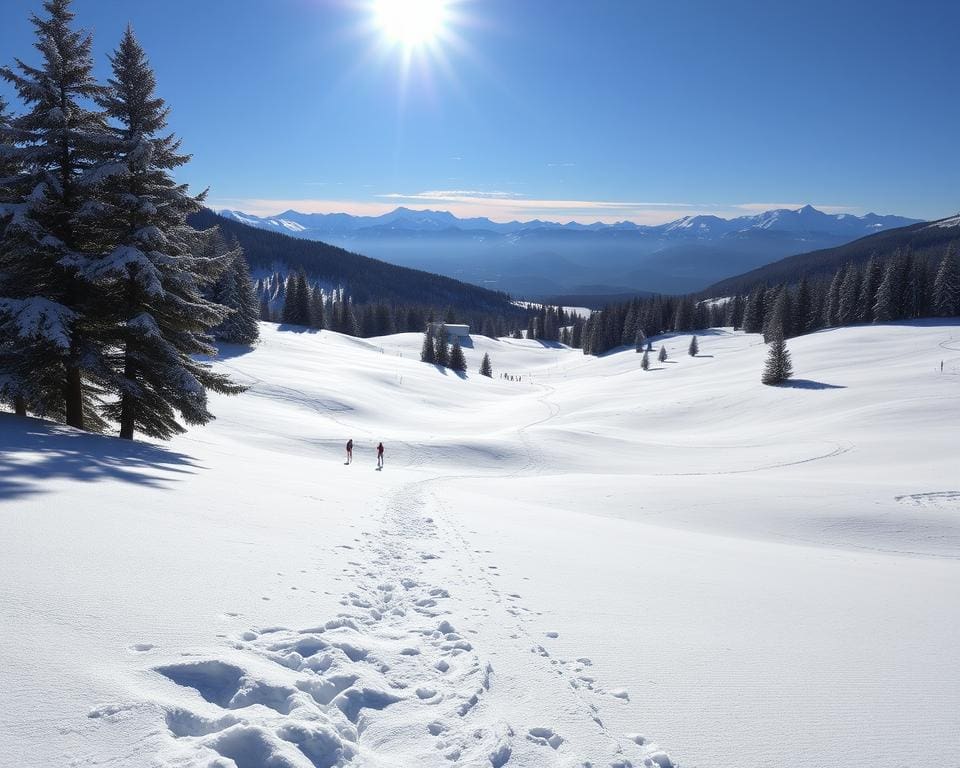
column 411, row 23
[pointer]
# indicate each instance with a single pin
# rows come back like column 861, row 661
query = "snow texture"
column 597, row 566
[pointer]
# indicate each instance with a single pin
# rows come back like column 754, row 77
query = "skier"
column 380, row 456
column 349, row 451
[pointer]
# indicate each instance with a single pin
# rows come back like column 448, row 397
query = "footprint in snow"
column 142, row 647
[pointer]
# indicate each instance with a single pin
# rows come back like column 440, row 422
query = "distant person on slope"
column 349, row 451
column 380, row 456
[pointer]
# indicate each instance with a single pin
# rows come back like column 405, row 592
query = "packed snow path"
column 547, row 572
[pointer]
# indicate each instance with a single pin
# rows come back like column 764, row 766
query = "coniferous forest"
column 108, row 296
column 901, row 287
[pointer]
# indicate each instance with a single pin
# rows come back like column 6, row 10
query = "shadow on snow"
column 35, row 452
column 808, row 384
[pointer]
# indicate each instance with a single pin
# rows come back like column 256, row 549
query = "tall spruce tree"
column 13, row 389
column 847, row 304
column 662, row 356
column 234, row 290
column 802, row 321
column 694, row 349
column 885, row 304
column 155, row 265
column 831, row 310
column 486, row 369
column 296, row 303
column 946, row 287
column 441, row 347
column 872, row 275
column 645, row 360
column 427, row 352
column 458, row 361
column 753, row 311
column 46, row 302
column 778, row 367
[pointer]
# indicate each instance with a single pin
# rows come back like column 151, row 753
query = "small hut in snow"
column 453, row 329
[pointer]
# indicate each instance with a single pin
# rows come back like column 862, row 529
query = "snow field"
column 547, row 572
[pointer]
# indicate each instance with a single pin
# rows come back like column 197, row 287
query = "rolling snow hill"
column 542, row 258
column 591, row 563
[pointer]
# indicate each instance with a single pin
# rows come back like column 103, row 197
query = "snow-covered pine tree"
column 630, row 326
column 317, row 319
column 46, row 304
column 441, row 348
column 694, row 349
column 156, row 266
column 296, row 304
column 886, row 302
column 13, row 389
column 458, row 361
column 778, row 367
column 638, row 340
column 662, row 356
column 427, row 352
column 645, row 360
column 847, row 304
column 753, row 312
column 683, row 317
column 872, row 275
column 779, row 318
column 946, row 287
column 831, row 310
column 486, row 369
column 802, row 320
column 234, row 290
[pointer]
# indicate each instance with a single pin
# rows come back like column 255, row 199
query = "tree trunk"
column 74, row 397
column 20, row 405
column 128, row 403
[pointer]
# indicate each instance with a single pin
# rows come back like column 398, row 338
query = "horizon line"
column 523, row 210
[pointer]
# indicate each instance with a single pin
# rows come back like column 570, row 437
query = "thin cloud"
column 456, row 195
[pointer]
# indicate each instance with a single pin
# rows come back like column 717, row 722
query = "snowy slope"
column 578, row 566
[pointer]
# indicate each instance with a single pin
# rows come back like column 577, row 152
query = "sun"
column 411, row 23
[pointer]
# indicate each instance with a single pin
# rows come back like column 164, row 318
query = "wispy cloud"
column 499, row 205
column 455, row 195
column 561, row 165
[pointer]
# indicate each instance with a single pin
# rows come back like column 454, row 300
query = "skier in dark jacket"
column 380, row 456
column 350, row 451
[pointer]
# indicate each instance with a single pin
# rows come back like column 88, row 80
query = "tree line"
column 295, row 298
column 107, row 295
column 903, row 286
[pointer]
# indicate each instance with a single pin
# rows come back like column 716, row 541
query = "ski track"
column 351, row 689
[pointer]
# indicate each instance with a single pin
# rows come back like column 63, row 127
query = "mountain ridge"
column 539, row 258
column 923, row 239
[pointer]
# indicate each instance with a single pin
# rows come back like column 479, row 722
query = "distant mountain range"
column 367, row 280
column 538, row 258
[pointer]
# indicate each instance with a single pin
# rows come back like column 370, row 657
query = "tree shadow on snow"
column 36, row 452
column 808, row 384
column 550, row 344
column 229, row 351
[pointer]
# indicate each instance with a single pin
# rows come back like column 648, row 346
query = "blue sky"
column 599, row 110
